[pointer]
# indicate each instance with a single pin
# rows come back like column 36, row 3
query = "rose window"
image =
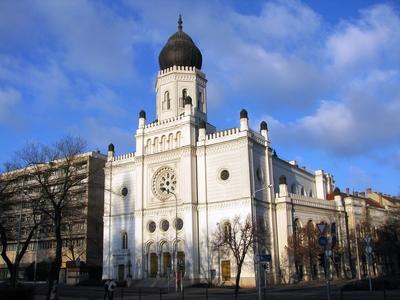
column 164, row 183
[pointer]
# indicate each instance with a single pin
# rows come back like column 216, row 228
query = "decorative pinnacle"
column 180, row 23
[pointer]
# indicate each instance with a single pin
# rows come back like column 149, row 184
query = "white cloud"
column 373, row 39
column 9, row 100
column 279, row 24
column 91, row 38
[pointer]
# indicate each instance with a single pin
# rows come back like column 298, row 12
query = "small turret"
column 110, row 153
column 142, row 119
column 264, row 130
column 244, row 120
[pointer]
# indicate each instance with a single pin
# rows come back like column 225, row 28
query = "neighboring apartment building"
column 82, row 231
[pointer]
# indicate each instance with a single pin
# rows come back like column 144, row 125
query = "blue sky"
column 325, row 75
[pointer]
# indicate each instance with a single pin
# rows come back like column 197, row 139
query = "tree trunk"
column 56, row 264
column 239, row 270
column 10, row 265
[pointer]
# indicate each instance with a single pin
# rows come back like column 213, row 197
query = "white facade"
column 179, row 171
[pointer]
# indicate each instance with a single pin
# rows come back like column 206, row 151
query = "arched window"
column 200, row 101
column 310, row 194
column 163, row 143
column 178, row 139
column 227, row 230
column 293, row 188
column 282, row 179
column 124, row 240
column 182, row 100
column 167, row 101
column 148, row 147
column 303, row 192
column 156, row 145
column 170, row 141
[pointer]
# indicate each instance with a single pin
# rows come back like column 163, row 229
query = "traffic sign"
column 322, row 241
column 321, row 227
column 264, row 257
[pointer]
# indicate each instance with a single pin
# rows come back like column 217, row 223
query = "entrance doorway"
column 181, row 262
column 226, row 270
column 153, row 264
column 166, row 263
column 121, row 273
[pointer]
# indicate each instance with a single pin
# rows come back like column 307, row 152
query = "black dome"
column 180, row 50
column 263, row 125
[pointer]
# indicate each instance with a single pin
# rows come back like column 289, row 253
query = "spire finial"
column 180, row 23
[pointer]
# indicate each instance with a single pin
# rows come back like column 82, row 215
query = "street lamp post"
column 255, row 247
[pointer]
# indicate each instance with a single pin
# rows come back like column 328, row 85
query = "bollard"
column 384, row 293
column 265, row 293
column 183, row 293
column 206, row 293
column 341, row 294
column 122, row 293
column 160, row 294
column 140, row 293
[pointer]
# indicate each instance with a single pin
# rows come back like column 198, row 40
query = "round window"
column 224, row 175
column 152, row 226
column 164, row 225
column 179, row 223
column 124, row 191
column 164, row 183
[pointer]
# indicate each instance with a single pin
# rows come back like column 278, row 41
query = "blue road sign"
column 322, row 241
column 265, row 257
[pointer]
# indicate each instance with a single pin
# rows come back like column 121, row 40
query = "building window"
column 200, row 101
column 260, row 175
column 227, row 231
column 124, row 191
column 164, row 225
column 167, row 101
column 224, row 175
column 182, row 100
column 178, row 223
column 124, row 238
column 293, row 188
column 152, row 226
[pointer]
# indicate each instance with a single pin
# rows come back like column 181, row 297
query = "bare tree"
column 74, row 246
column 387, row 243
column 235, row 237
column 18, row 217
column 60, row 174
